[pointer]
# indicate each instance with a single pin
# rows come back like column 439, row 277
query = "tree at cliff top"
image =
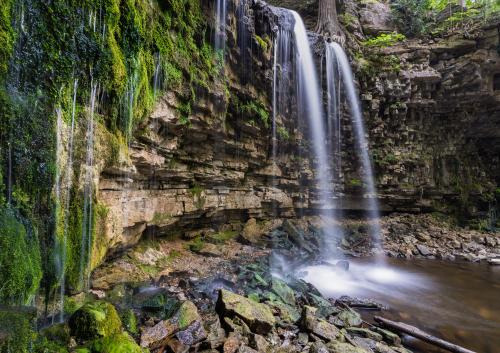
column 328, row 23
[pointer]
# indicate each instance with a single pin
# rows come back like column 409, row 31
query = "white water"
column 220, row 25
column 336, row 57
column 310, row 105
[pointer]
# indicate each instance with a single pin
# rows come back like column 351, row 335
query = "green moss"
column 283, row 133
column 355, row 183
column 251, row 110
column 19, row 259
column 94, row 320
column 222, row 237
column 264, row 43
column 6, row 36
column 130, row 321
column 16, row 330
column 118, row 343
column 384, row 40
column 196, row 244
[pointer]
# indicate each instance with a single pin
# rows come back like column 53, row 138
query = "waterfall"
column 220, row 26
column 309, row 104
column 293, row 59
column 86, row 245
column 337, row 59
column 333, row 110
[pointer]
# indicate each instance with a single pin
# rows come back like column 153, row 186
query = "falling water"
column 68, row 182
column 310, row 104
column 86, row 245
column 220, row 25
column 333, row 110
column 336, row 57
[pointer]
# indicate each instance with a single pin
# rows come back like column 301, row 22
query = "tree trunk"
column 328, row 22
column 462, row 3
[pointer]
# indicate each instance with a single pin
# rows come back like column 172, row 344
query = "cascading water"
column 220, row 25
column 309, row 104
column 333, row 111
column 86, row 245
column 337, row 62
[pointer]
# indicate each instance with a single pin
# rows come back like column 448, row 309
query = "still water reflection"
column 459, row 302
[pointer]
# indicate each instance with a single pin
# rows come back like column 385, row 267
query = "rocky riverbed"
column 227, row 291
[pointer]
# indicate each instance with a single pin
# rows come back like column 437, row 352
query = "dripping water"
column 86, row 245
column 336, row 57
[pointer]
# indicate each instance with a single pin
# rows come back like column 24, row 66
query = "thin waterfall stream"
column 337, row 61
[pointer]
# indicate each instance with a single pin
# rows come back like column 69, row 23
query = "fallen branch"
column 415, row 332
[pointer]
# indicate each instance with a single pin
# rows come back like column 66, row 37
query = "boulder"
column 118, row 343
column 95, row 320
column 317, row 326
column 339, row 347
column 257, row 316
column 347, row 318
column 183, row 320
column 251, row 232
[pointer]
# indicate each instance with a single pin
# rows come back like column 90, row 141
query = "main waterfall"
column 292, row 47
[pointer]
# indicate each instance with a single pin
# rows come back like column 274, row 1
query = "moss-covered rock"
column 117, row 343
column 257, row 316
column 95, row 320
column 155, row 336
column 16, row 330
column 20, row 263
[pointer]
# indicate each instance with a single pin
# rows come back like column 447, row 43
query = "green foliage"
column 384, row 40
column 264, row 43
column 196, row 244
column 130, row 321
column 411, row 16
column 16, row 330
column 347, row 19
column 252, row 109
column 6, row 36
column 283, row 133
column 20, row 261
column 355, row 183
column 222, row 237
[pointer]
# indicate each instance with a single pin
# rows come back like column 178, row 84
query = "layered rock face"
column 433, row 119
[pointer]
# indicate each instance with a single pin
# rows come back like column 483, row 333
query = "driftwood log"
column 417, row 333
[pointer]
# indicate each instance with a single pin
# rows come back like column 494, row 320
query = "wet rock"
column 318, row 347
column 363, row 332
column 252, row 233
column 339, row 347
column 256, row 315
column 423, row 250
column 283, row 291
column 246, row 349
column 259, row 343
column 216, row 334
column 193, row 334
column 232, row 343
column 158, row 335
column 389, row 336
column 317, row 326
column 95, row 320
column 347, row 318
column 209, row 249
column 343, row 265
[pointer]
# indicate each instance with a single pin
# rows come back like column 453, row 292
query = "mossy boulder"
column 95, row 320
column 320, row 327
column 158, row 335
column 57, row 333
column 257, row 316
column 283, row 291
column 117, row 343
